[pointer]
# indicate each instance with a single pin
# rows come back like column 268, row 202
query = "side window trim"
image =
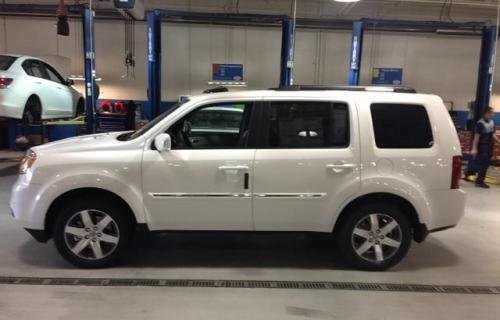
column 263, row 134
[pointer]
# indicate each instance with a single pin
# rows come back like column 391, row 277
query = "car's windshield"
column 6, row 62
column 149, row 125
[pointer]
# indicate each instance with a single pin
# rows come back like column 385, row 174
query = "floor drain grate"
column 249, row 284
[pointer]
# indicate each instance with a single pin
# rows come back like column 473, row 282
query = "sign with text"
column 387, row 76
column 227, row 72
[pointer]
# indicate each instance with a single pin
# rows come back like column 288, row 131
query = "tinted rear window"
column 401, row 126
column 308, row 124
column 6, row 62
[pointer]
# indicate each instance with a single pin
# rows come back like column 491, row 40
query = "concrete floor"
column 466, row 255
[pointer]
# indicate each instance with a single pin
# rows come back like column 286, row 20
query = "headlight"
column 27, row 162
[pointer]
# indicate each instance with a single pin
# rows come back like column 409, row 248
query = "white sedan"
column 32, row 90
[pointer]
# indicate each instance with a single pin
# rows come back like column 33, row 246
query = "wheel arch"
column 419, row 229
column 58, row 202
column 80, row 106
column 37, row 98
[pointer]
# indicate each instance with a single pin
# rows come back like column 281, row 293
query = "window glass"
column 6, row 62
column 52, row 75
column 401, row 126
column 151, row 124
column 310, row 124
column 219, row 126
column 33, row 68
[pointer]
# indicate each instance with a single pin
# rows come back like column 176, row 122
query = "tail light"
column 5, row 82
column 456, row 172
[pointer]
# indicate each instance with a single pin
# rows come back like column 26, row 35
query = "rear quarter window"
column 401, row 126
column 6, row 62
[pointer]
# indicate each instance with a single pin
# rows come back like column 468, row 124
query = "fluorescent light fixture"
column 346, row 0
column 81, row 78
column 458, row 32
column 228, row 83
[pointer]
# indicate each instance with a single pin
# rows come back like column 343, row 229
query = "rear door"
column 306, row 165
column 62, row 95
column 41, row 86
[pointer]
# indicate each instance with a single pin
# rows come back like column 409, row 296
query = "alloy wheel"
column 91, row 234
column 376, row 237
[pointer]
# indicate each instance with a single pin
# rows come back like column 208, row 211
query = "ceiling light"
column 346, row 0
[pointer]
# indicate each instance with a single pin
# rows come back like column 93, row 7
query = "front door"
column 41, row 86
column 308, row 164
column 203, row 183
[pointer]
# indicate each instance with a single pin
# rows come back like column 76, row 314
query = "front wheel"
column 374, row 237
column 92, row 234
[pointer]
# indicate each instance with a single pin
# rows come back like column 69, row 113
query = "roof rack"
column 345, row 88
column 216, row 89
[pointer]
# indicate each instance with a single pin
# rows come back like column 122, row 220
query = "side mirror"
column 163, row 142
column 70, row 82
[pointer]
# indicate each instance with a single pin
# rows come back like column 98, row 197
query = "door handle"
column 233, row 168
column 38, row 82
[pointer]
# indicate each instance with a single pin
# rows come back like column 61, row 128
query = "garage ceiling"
column 456, row 10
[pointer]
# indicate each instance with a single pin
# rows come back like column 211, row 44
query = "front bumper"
column 27, row 206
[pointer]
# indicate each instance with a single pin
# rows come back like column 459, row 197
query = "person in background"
column 482, row 148
column 130, row 117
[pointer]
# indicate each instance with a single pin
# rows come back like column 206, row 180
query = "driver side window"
column 215, row 126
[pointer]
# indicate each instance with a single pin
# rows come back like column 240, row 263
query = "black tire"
column 360, row 218
column 80, row 108
column 32, row 111
column 121, row 228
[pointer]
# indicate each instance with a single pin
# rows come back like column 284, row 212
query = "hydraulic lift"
column 487, row 57
column 154, row 21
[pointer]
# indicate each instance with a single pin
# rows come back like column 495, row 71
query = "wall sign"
column 227, row 72
column 387, row 76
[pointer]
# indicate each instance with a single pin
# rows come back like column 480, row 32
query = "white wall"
column 445, row 65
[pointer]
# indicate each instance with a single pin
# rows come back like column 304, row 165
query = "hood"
column 82, row 143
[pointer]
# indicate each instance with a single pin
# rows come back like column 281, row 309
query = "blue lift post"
column 154, row 62
column 90, row 83
column 487, row 57
column 287, row 51
column 154, row 20
column 356, row 52
column 485, row 76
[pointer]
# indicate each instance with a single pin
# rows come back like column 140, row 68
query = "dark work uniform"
column 481, row 162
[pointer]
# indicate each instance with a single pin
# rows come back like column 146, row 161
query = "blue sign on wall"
column 387, row 76
column 227, row 72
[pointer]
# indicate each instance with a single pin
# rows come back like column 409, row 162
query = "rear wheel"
column 80, row 108
column 374, row 236
column 32, row 111
column 92, row 233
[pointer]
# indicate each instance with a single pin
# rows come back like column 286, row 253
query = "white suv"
column 375, row 167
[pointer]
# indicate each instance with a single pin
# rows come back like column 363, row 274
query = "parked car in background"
column 375, row 168
column 32, row 90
